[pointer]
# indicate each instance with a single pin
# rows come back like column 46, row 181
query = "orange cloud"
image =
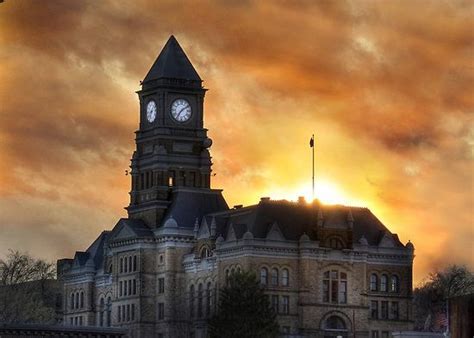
column 386, row 87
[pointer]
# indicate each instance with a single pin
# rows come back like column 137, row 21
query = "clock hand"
column 179, row 113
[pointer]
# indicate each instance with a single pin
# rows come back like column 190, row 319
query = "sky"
column 387, row 87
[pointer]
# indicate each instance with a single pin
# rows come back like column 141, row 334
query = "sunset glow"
column 385, row 86
column 326, row 192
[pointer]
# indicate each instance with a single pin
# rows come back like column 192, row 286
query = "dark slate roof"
column 189, row 204
column 295, row 219
column 96, row 250
column 135, row 227
column 172, row 63
column 81, row 258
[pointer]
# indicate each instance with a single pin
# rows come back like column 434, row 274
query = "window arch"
column 384, row 283
column 76, row 305
column 109, row 311
column 208, row 299
column 335, row 323
column 394, row 284
column 191, row 301
column 274, row 277
column 81, row 300
column 205, row 253
column 264, row 276
column 374, row 282
column 335, row 287
column 285, row 277
column 101, row 311
column 200, row 300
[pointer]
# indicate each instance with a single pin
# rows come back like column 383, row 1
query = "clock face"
column 151, row 111
column 181, row 110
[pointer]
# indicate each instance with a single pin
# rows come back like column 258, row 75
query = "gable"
column 203, row 230
column 275, row 233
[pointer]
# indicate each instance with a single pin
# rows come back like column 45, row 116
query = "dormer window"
column 205, row 253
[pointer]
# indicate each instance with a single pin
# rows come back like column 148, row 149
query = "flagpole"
column 312, row 148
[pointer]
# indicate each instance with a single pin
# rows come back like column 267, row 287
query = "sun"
column 326, row 192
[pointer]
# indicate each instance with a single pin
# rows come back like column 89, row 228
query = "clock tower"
column 171, row 143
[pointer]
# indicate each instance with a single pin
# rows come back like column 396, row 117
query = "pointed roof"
column 172, row 63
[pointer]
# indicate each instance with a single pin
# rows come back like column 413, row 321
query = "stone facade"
column 328, row 270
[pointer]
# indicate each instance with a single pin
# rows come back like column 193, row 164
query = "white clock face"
column 151, row 111
column 181, row 110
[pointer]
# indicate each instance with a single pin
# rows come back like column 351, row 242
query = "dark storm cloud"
column 392, row 80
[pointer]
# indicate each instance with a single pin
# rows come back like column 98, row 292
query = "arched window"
column 72, row 301
column 82, row 300
column 101, row 312
column 263, row 276
column 125, row 264
column 285, row 277
column 76, row 305
column 373, row 282
column 110, row 268
column 384, row 283
column 335, row 323
column 335, row 287
column 232, row 271
column 205, row 252
column 121, row 265
column 130, row 266
column 191, row 301
column 135, row 263
column 335, row 243
column 208, row 299
column 200, row 300
column 394, row 284
column 274, row 277
column 109, row 311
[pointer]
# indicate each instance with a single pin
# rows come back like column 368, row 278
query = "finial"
column 213, row 227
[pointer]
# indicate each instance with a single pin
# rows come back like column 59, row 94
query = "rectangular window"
column 134, row 263
column 285, row 305
column 71, row 321
column 133, row 311
column 129, row 287
column 343, row 292
column 134, row 287
column 394, row 311
column 275, row 303
column 384, row 310
column 192, row 179
column 161, row 285
column 374, row 310
column 80, row 321
column 375, row 334
column 128, row 312
column 161, row 310
column 125, row 288
column 326, row 291
column 120, row 288
column 334, row 291
column 119, row 315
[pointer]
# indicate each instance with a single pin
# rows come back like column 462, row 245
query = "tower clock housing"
column 171, row 142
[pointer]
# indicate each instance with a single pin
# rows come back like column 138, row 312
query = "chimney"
column 264, row 199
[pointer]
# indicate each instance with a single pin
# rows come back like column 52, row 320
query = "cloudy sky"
column 386, row 86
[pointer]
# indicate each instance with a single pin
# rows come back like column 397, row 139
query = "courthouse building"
column 328, row 270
